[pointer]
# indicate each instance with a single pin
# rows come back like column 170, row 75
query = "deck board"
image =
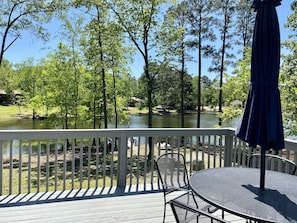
column 129, row 208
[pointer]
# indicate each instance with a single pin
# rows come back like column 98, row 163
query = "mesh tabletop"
column 237, row 190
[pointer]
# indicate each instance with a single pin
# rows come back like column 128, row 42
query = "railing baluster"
column 208, row 151
column 97, row 162
column 221, row 147
column 20, row 165
column 73, row 163
column 81, row 163
column 203, row 151
column 145, row 167
column 130, row 164
column 38, row 166
column 29, row 165
column 56, row 165
column 10, row 166
column 215, row 145
column 112, row 159
column 89, row 162
column 47, row 166
column 104, row 163
column 65, row 147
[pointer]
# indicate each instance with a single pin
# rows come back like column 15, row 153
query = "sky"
column 31, row 47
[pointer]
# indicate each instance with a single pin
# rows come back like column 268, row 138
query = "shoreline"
column 172, row 112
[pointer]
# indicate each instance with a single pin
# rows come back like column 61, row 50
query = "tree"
column 201, row 20
column 61, row 87
column 72, row 31
column 177, row 16
column 140, row 20
column 7, row 82
column 236, row 87
column 167, row 92
column 225, row 10
column 97, row 54
column 29, row 81
column 288, row 78
column 24, row 15
column 207, row 91
column 245, row 18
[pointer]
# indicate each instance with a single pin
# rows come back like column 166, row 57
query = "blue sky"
column 28, row 46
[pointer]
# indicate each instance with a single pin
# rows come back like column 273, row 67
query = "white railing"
column 53, row 160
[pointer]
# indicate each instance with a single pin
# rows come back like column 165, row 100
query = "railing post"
column 228, row 150
column 122, row 160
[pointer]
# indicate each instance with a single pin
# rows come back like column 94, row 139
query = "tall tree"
column 141, row 20
column 225, row 11
column 24, row 15
column 244, row 24
column 96, row 52
column 107, row 56
column 177, row 28
column 61, row 87
column 71, row 36
column 201, row 20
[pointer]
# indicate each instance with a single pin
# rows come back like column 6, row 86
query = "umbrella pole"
column 262, row 171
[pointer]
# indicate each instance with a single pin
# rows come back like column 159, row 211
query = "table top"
column 237, row 190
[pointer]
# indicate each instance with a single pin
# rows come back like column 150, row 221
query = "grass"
column 12, row 112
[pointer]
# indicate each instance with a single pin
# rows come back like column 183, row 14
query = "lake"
column 208, row 120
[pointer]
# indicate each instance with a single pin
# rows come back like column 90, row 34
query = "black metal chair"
column 185, row 212
column 273, row 162
column 173, row 175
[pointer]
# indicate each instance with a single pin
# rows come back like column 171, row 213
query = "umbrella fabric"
column 261, row 123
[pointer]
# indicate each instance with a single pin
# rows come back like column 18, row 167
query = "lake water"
column 135, row 121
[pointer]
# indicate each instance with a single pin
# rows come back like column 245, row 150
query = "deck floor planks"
column 143, row 208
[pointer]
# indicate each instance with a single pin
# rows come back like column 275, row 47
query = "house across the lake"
column 134, row 101
column 7, row 99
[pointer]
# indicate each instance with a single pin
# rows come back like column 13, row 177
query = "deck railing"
column 52, row 160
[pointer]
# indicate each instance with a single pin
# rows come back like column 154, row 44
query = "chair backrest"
column 185, row 213
column 273, row 162
column 172, row 171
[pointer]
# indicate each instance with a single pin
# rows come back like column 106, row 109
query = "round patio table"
column 237, row 191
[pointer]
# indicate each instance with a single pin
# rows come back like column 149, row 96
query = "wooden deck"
column 88, row 206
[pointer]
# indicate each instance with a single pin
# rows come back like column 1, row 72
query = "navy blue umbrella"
column 261, row 123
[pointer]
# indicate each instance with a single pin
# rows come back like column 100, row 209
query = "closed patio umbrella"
column 261, row 123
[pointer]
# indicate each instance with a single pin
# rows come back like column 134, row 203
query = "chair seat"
column 185, row 211
column 173, row 175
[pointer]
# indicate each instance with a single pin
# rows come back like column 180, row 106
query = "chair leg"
column 165, row 204
column 164, row 215
column 195, row 200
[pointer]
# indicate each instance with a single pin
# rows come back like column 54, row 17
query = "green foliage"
column 167, row 89
column 208, row 91
column 236, row 86
column 7, row 78
column 17, row 16
column 288, row 77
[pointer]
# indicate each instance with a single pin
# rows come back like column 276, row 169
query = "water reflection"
column 174, row 121
column 135, row 121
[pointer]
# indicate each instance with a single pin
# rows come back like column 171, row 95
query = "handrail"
column 51, row 160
